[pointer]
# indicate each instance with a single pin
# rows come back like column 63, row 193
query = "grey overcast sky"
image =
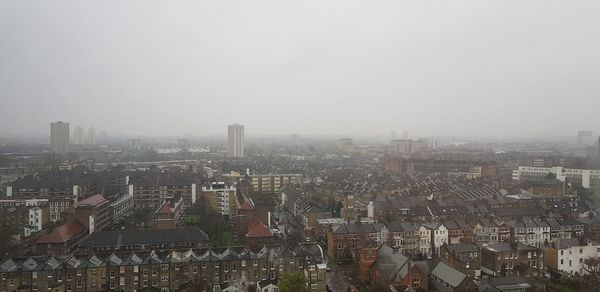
column 509, row 67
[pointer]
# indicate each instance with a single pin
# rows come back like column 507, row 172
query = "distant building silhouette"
column 584, row 137
column 235, row 145
column 91, row 136
column 78, row 136
column 59, row 137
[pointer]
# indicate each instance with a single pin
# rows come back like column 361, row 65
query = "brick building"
column 464, row 257
column 169, row 213
column 505, row 258
column 190, row 270
column 94, row 213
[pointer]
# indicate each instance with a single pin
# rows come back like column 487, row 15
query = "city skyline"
column 425, row 68
column 296, row 146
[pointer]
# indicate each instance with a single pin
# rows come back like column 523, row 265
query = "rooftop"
column 146, row 237
column 63, row 232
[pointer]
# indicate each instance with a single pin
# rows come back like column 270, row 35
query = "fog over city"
column 465, row 68
column 300, row 145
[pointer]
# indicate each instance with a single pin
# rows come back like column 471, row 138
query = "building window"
column 416, row 281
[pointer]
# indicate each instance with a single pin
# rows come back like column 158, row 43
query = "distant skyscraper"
column 103, row 137
column 59, row 137
column 235, row 145
column 91, row 136
column 78, row 136
column 584, row 137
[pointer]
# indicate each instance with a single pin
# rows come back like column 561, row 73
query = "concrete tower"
column 235, row 145
column 59, row 137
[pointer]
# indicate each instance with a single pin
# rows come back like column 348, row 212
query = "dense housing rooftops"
column 143, row 237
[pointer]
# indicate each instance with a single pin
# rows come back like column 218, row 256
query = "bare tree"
column 591, row 266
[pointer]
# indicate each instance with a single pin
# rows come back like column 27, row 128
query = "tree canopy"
column 293, row 282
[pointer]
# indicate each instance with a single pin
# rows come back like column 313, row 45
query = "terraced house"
column 217, row 269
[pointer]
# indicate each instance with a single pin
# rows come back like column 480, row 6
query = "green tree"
column 293, row 282
column 7, row 240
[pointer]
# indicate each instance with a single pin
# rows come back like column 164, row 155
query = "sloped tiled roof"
column 256, row 228
column 448, row 274
column 63, row 233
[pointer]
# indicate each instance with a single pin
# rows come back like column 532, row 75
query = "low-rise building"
column 511, row 284
column 464, row 257
column 309, row 212
column 342, row 240
column 405, row 237
column 425, row 240
column 486, row 231
column 62, row 240
column 143, row 240
column 24, row 220
column 439, row 236
column 504, row 258
column 259, row 233
column 444, row 278
column 169, row 214
column 568, row 255
column 393, row 268
column 195, row 269
column 531, row 231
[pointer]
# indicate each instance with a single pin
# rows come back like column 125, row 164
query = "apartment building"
column 586, row 178
column 151, row 191
column 94, row 213
column 221, row 197
column 121, row 207
column 273, row 183
column 25, row 220
column 200, row 269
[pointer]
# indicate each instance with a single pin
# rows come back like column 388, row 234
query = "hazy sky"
column 497, row 67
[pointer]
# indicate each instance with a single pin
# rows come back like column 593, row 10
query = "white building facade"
column 570, row 259
column 587, row 178
column 425, row 240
